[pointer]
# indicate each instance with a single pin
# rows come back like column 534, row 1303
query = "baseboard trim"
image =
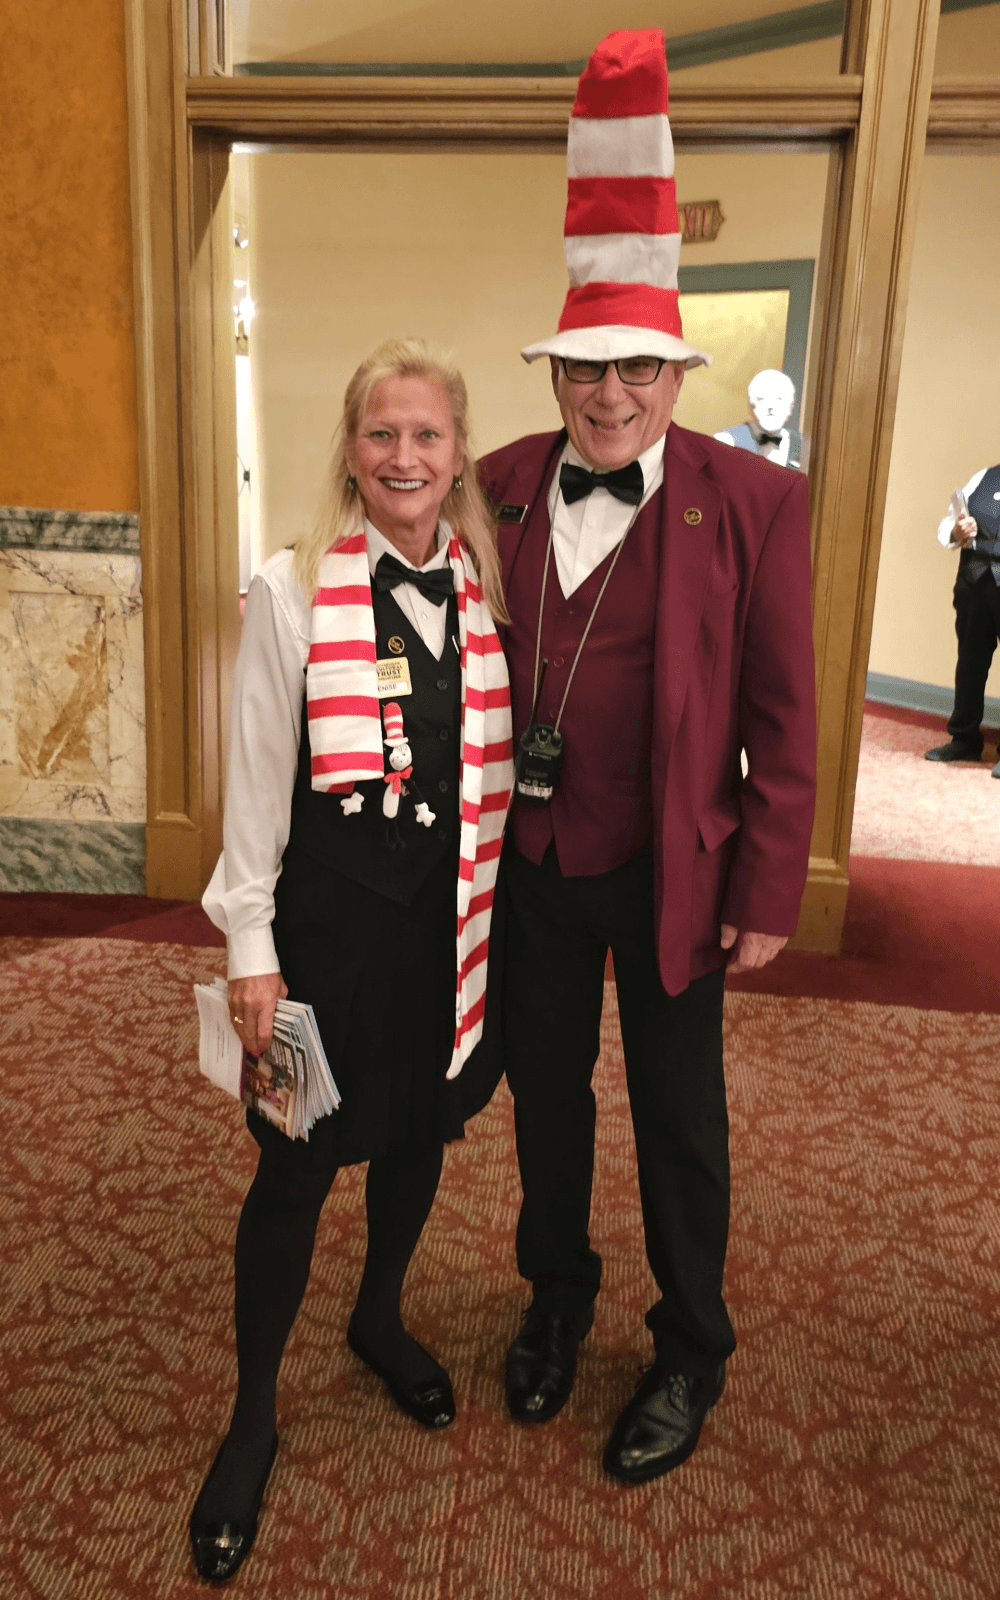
column 45, row 854
column 886, row 690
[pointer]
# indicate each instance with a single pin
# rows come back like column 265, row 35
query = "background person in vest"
column 977, row 609
column 663, row 581
column 389, row 597
column 770, row 396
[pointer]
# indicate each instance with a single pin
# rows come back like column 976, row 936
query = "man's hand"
column 251, row 1006
column 753, row 950
column 965, row 531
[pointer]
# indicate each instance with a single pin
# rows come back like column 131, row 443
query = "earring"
column 456, row 483
column 352, row 485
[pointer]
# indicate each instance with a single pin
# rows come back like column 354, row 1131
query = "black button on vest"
column 356, row 845
column 986, row 510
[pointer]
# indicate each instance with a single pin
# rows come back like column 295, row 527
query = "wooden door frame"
column 185, row 114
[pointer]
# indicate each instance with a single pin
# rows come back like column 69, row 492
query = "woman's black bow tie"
column 625, row 484
column 435, row 585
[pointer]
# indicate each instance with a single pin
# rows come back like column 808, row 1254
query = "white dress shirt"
column 268, row 687
column 773, row 450
column 585, row 532
column 946, row 527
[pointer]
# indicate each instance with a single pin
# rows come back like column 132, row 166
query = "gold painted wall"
column 67, row 400
column 466, row 250
column 947, row 412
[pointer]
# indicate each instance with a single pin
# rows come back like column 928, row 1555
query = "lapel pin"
column 692, row 516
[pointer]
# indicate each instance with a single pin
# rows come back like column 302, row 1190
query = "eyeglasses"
column 634, row 370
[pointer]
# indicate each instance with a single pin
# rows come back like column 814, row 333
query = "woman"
column 369, row 778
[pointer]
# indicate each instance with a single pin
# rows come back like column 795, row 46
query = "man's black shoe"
column 952, row 752
column 541, row 1363
column 659, row 1427
column 996, row 771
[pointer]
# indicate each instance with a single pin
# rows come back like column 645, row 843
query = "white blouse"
column 268, row 687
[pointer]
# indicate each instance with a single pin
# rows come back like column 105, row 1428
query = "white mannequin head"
column 771, row 396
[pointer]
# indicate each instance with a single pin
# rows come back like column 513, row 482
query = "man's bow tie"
column 625, row 484
column 435, row 585
column 769, row 438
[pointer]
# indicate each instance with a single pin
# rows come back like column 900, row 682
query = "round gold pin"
column 692, row 516
column 397, row 646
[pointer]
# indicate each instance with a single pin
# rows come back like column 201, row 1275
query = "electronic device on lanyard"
column 540, row 749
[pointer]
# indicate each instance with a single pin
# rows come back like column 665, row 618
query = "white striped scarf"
column 345, row 738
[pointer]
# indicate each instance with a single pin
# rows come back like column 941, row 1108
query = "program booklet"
column 290, row 1084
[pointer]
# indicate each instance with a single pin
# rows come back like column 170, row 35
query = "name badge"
column 507, row 513
column 393, row 677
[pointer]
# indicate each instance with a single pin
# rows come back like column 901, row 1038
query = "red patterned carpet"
column 855, row 1453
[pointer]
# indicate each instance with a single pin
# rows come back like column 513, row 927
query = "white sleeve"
column 946, row 526
column 268, row 686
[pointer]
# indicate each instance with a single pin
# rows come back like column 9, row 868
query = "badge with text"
column 393, row 676
column 507, row 513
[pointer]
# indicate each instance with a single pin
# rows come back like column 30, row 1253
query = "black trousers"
column 977, row 624
column 559, row 933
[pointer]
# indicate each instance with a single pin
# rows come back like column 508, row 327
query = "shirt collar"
column 378, row 545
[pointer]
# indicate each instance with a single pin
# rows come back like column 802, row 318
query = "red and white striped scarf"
column 345, row 738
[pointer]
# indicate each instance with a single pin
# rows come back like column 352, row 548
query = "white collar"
column 379, row 545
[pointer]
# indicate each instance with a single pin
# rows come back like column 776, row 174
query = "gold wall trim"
column 964, row 108
column 477, row 110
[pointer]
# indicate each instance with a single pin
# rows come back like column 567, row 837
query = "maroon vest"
column 601, row 814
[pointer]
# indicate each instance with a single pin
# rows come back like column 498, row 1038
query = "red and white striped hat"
column 393, row 724
column 622, row 235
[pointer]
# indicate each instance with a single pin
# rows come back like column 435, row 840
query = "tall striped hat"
column 622, row 235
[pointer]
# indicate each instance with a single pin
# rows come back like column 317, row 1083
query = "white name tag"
column 393, row 676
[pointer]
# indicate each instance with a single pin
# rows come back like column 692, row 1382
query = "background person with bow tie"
column 770, row 397
column 390, row 600
column 662, row 582
column 972, row 525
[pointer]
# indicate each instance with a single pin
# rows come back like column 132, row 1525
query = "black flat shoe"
column 541, row 1363
column 659, row 1427
column 430, row 1402
column 952, row 751
column 220, row 1548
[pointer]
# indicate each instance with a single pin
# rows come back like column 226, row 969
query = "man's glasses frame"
column 566, row 362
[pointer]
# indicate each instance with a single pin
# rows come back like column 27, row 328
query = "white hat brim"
column 611, row 342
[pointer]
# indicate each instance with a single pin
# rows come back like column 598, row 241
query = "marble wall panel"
column 72, row 718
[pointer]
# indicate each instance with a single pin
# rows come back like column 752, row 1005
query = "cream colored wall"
column 968, row 44
column 947, row 416
column 465, row 250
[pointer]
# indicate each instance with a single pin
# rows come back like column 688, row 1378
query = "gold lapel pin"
column 692, row 516
column 397, row 646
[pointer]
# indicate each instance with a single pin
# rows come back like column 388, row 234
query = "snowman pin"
column 399, row 779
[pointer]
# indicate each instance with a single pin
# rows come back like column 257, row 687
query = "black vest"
column 986, row 510
column 356, row 845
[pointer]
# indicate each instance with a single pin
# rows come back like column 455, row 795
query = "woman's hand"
column 251, row 1007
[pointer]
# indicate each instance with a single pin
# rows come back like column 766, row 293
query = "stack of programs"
column 290, row 1084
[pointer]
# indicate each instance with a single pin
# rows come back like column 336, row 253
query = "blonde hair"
column 464, row 506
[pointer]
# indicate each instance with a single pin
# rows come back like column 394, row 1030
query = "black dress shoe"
column 219, row 1548
column 659, row 1427
column 951, row 752
column 541, row 1363
column 430, row 1402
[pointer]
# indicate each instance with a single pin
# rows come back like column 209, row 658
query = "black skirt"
column 381, row 979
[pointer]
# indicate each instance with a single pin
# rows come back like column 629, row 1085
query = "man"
column 972, row 525
column 658, row 585
column 770, row 397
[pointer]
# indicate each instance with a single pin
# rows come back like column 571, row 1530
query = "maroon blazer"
column 733, row 670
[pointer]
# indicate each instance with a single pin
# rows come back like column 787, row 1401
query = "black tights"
column 274, row 1246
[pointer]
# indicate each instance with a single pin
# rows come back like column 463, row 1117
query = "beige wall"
column 947, row 417
column 465, row 250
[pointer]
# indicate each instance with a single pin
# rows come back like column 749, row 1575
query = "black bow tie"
column 768, row 438
column 435, row 585
column 625, row 484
